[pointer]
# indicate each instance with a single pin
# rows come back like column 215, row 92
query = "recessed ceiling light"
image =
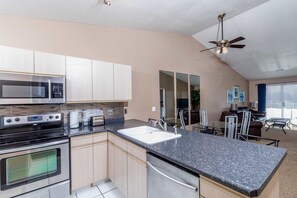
column 278, row 70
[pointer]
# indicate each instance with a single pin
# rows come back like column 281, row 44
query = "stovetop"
column 32, row 129
column 23, row 137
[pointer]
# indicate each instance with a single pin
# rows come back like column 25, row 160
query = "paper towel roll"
column 74, row 120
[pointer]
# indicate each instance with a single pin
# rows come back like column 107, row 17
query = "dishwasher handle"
column 170, row 178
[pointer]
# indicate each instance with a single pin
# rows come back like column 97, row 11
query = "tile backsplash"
column 116, row 107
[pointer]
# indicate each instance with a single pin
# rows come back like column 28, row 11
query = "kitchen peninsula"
column 228, row 168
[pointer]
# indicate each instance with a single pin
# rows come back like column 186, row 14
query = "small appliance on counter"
column 97, row 121
column 74, row 119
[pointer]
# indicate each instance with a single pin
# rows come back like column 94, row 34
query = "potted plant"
column 195, row 98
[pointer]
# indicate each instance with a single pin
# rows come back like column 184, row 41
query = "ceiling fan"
column 223, row 44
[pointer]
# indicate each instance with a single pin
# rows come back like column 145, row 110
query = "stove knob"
column 17, row 119
column 57, row 117
column 8, row 120
column 50, row 117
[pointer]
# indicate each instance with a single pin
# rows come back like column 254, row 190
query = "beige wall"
column 253, row 91
column 147, row 52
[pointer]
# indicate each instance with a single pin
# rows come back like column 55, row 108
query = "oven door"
column 30, row 168
column 30, row 89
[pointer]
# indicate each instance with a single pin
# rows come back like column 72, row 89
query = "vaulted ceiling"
column 268, row 26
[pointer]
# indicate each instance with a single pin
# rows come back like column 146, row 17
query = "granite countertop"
column 242, row 166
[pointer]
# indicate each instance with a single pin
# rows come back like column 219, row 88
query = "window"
column 281, row 100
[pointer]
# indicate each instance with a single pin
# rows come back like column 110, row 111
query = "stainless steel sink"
column 149, row 135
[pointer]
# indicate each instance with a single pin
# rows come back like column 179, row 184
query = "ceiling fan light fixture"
column 218, row 51
column 225, row 50
column 106, row 2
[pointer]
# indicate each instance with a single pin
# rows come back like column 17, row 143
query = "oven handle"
column 49, row 90
column 33, row 147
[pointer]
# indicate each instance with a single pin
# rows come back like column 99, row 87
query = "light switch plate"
column 110, row 112
column 154, row 109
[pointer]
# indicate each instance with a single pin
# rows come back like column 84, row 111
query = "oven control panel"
column 31, row 119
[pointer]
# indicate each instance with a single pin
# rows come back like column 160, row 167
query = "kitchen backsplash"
column 116, row 107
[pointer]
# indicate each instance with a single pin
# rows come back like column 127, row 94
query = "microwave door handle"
column 49, row 90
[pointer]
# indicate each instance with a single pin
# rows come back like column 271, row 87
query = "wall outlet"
column 110, row 112
column 154, row 109
column 125, row 111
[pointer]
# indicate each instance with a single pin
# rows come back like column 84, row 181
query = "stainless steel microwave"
column 31, row 89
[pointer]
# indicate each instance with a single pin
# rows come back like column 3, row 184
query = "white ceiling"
column 182, row 16
column 268, row 26
column 271, row 42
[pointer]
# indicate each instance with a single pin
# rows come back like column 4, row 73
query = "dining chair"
column 231, row 123
column 203, row 118
column 181, row 119
column 245, row 124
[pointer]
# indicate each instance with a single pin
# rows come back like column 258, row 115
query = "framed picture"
column 236, row 91
column 230, row 96
column 241, row 96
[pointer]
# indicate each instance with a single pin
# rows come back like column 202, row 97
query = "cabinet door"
column 78, row 79
column 137, row 178
column 111, row 161
column 100, row 161
column 120, row 169
column 52, row 64
column 81, row 167
column 122, row 82
column 102, row 80
column 16, row 60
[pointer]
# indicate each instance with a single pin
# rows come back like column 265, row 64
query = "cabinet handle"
column 49, row 90
column 170, row 178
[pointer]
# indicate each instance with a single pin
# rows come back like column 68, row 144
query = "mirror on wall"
column 179, row 91
column 167, row 105
column 195, row 98
column 182, row 96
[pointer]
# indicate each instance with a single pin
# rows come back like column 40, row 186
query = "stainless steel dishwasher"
column 166, row 180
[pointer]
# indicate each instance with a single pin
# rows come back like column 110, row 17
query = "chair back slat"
column 181, row 119
column 245, row 124
column 231, row 123
column 203, row 118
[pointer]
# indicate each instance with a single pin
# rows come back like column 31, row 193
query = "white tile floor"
column 103, row 190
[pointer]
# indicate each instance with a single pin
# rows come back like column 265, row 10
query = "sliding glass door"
column 281, row 100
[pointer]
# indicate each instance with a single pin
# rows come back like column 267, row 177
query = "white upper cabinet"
column 16, row 60
column 46, row 63
column 102, row 80
column 122, row 82
column 78, row 79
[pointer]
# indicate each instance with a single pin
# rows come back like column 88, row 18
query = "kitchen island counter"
column 241, row 166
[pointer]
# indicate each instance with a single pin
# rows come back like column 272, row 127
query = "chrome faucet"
column 162, row 124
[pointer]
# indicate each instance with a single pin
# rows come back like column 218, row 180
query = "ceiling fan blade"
column 236, row 40
column 208, row 49
column 213, row 42
column 236, row 46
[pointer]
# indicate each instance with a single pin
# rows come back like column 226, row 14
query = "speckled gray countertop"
column 242, row 166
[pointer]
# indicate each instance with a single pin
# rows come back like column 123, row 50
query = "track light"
column 107, row 2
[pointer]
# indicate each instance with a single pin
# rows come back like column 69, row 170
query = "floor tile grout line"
column 99, row 189
column 110, row 190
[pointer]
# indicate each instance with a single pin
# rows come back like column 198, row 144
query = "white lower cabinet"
column 88, row 160
column 81, row 162
column 127, row 167
column 120, row 170
column 137, row 177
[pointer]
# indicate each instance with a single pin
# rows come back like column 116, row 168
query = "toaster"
column 96, row 121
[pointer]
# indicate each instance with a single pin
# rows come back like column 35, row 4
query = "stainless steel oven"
column 34, row 156
column 31, row 89
column 30, row 168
